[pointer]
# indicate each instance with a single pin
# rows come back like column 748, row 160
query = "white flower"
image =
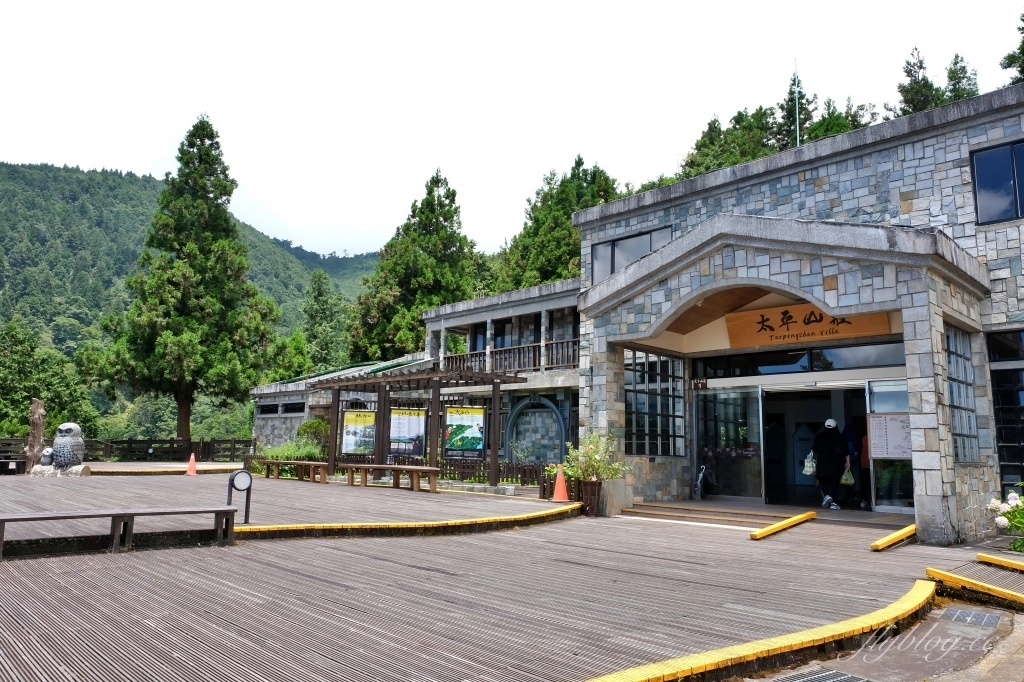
column 1014, row 503
column 994, row 504
column 1002, row 523
column 1003, row 508
column 1012, row 496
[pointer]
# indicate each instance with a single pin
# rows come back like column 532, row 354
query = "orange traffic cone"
column 191, row 471
column 560, row 494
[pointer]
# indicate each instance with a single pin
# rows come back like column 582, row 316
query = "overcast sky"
column 333, row 115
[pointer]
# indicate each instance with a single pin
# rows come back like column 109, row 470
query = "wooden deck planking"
column 273, row 502
column 564, row 601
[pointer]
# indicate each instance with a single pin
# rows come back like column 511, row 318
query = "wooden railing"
column 516, row 358
column 563, row 354
column 467, row 470
column 573, row 488
column 467, row 362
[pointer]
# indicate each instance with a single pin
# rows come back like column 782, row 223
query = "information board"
column 464, row 432
column 407, row 432
column 889, row 436
column 358, row 431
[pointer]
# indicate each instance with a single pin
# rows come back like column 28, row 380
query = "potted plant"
column 592, row 463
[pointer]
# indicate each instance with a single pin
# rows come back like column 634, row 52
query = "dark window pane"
column 1018, row 166
column 879, row 355
column 993, row 185
column 601, row 255
column 1005, row 346
column 782, row 362
column 660, row 237
column 629, row 250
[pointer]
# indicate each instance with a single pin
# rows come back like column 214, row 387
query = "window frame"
column 1016, row 185
column 610, row 245
column 963, row 417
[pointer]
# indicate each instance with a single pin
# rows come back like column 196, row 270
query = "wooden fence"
column 468, row 470
column 573, row 488
column 145, row 450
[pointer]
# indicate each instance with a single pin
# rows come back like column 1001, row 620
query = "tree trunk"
column 185, row 420
column 34, row 449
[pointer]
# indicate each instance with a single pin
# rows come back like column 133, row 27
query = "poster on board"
column 889, row 436
column 464, row 432
column 408, row 432
column 359, row 429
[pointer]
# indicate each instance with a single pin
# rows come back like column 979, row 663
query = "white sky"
column 333, row 115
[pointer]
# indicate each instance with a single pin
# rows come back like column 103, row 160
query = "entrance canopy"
column 429, row 383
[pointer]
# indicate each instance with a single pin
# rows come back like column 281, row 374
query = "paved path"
column 564, row 601
column 280, row 501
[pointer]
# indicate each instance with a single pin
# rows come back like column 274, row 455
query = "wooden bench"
column 396, row 474
column 122, row 522
column 300, row 468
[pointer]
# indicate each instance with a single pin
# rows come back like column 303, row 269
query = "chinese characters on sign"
column 799, row 323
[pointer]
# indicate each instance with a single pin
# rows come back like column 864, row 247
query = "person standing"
column 833, row 457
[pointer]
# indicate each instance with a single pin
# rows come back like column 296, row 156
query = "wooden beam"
column 495, row 430
column 332, row 445
column 434, row 421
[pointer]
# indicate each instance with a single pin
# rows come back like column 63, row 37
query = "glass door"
column 891, row 475
column 728, row 441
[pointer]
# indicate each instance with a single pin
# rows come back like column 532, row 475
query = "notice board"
column 889, row 436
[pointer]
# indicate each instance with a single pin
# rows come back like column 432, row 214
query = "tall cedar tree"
column 429, row 262
column 785, row 132
column 961, row 81
column 919, row 93
column 323, row 326
column 548, row 247
column 196, row 323
column 1014, row 61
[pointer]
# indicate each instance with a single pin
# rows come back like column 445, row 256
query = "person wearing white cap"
column 831, row 453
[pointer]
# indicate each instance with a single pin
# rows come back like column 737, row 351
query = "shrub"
column 316, row 431
column 1010, row 518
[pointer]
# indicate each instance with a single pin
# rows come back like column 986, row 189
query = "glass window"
column 961, row 395
column 601, row 255
column 850, row 357
column 268, row 409
column 293, row 408
column 1008, row 399
column 994, row 194
column 782, row 362
column 1005, row 346
column 654, row 404
column 629, row 250
column 660, row 237
column 728, row 433
column 888, row 396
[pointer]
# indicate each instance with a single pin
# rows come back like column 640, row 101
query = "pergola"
column 428, row 383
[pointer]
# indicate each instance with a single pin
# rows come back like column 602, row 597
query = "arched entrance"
column 536, row 423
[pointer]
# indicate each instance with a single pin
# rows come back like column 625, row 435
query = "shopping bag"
column 810, row 466
column 847, row 478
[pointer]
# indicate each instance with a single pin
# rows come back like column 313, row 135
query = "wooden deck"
column 565, row 601
column 281, row 501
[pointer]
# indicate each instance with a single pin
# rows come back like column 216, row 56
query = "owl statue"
column 68, row 446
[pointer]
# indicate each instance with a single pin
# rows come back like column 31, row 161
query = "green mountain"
column 69, row 237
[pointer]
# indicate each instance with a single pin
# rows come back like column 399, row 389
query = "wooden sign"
column 801, row 323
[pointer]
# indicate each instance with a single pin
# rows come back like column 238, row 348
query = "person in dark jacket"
column 833, row 457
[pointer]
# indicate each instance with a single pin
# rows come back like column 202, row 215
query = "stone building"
column 870, row 277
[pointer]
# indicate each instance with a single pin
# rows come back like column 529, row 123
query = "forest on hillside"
column 69, row 237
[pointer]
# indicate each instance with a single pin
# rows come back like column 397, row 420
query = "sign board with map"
column 464, row 432
column 889, row 436
column 358, row 432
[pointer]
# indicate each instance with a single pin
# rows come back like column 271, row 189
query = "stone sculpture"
column 66, row 454
column 36, row 419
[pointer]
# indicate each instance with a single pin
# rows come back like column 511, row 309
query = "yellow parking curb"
column 783, row 525
column 694, row 664
column 893, row 538
column 409, row 528
column 1000, row 561
column 958, row 581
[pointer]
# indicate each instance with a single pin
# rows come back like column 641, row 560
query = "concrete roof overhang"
column 845, row 241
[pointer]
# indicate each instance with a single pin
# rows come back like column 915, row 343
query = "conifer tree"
column 1014, row 61
column 919, row 93
column 785, row 133
column 196, row 323
column 323, row 326
column 961, row 82
column 426, row 264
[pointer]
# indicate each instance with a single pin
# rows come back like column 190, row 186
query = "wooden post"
column 495, row 430
column 379, row 442
column 332, row 444
column 34, row 447
column 434, row 428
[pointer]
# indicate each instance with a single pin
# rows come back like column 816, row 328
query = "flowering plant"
column 1010, row 518
column 593, row 461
